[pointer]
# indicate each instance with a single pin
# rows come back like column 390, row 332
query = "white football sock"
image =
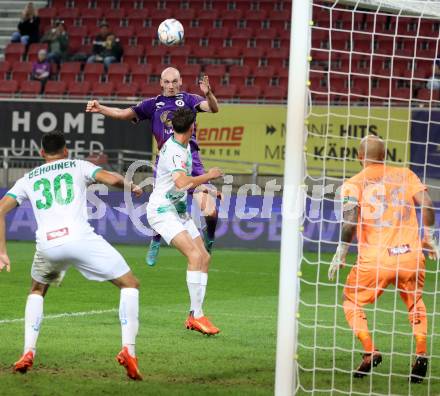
column 193, row 282
column 203, row 284
column 33, row 316
column 129, row 317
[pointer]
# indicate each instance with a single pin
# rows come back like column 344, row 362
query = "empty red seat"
column 245, row 33
column 117, row 72
column 5, row 67
column 179, row 55
column 68, row 15
column 275, row 92
column 127, row 89
column 93, row 71
column 47, row 15
column 125, row 34
column 156, row 55
column 226, row 91
column 8, row 87
column 115, row 16
column 55, row 88
column 249, row 93
column 78, row 88
column 21, row 70
column 140, row 73
column 133, row 55
column 215, row 70
column 149, row 90
column 69, row 71
column 238, row 74
column 190, row 71
column 30, row 87
column 14, row 52
column 103, row 89
column 138, row 18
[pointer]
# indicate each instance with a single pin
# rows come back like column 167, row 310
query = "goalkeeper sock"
column 211, row 225
column 129, row 317
column 193, row 282
column 33, row 316
column 417, row 318
column 357, row 320
column 203, row 284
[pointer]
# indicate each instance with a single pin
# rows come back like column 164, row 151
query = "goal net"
column 374, row 69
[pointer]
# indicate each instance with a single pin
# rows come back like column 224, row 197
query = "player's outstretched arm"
column 93, row 106
column 210, row 104
column 7, row 203
column 118, row 181
column 349, row 224
column 430, row 243
column 185, row 182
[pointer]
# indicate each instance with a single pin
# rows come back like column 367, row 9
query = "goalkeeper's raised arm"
column 430, row 243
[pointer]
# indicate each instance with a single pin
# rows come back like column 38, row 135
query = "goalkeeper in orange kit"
column 379, row 205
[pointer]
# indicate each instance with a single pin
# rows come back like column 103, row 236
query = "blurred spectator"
column 434, row 82
column 111, row 52
column 58, row 41
column 99, row 43
column 41, row 69
column 28, row 27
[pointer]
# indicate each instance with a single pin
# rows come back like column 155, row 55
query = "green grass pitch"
column 76, row 352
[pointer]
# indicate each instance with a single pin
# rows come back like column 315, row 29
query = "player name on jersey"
column 51, row 167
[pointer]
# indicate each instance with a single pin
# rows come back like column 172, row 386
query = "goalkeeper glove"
column 338, row 260
column 431, row 243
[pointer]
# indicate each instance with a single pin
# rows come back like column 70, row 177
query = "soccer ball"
column 170, row 32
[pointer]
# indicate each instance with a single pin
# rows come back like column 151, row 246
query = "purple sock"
column 211, row 225
column 157, row 237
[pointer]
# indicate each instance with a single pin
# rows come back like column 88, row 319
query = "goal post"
column 362, row 67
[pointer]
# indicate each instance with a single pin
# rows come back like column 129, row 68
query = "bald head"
column 170, row 81
column 372, row 149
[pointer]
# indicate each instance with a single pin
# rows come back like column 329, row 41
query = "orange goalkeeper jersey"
column 387, row 229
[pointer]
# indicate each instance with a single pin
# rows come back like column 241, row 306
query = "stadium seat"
column 78, row 31
column 5, row 67
column 114, row 17
column 426, row 48
column 125, row 34
column 424, row 68
column 228, row 53
column 103, row 89
column 30, row 87
column 68, row 15
column 179, row 55
column 8, row 87
column 14, row 52
column 33, row 49
column 91, row 16
column 186, row 15
column 117, row 72
column 138, row 18
column 275, row 93
column 93, row 71
column 226, row 91
column 190, row 71
column 21, row 70
column 146, row 36
column 55, row 88
column 149, row 90
column 78, row 88
column 230, row 17
column 127, row 89
column 47, row 15
column 133, row 55
column 156, row 55
column 157, row 16
column 140, row 73
column 69, row 71
column 215, row 70
column 194, row 34
column 245, row 33
column 255, row 17
column 203, row 52
column 249, row 93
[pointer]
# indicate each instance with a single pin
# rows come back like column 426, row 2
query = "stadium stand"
column 228, row 40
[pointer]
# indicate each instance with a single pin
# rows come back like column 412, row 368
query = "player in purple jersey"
column 159, row 110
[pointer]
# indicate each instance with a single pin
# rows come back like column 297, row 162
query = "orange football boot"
column 130, row 363
column 25, row 363
column 202, row 325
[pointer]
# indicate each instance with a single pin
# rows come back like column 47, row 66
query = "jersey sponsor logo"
column 160, row 105
column 62, row 232
column 398, row 250
column 179, row 103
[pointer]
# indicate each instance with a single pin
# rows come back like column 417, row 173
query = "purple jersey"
column 160, row 111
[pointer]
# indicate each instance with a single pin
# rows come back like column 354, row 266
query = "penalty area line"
column 64, row 315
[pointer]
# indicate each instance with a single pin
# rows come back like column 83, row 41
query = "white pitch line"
column 63, row 315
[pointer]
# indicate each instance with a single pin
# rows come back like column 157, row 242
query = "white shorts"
column 169, row 224
column 94, row 257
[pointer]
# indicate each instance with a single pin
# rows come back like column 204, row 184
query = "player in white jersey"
column 57, row 193
column 167, row 214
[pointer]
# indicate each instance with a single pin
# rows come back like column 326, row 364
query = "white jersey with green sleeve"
column 57, row 192
column 173, row 157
